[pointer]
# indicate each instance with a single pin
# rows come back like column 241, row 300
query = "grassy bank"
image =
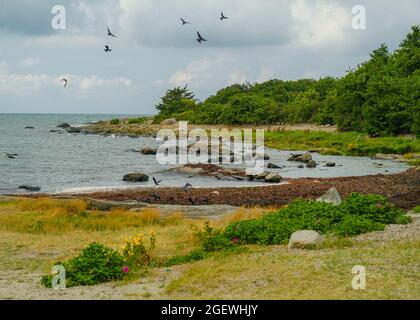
column 343, row 143
column 36, row 233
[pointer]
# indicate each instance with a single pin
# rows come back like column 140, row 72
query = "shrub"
column 357, row 214
column 137, row 120
column 96, row 264
column 211, row 239
column 115, row 121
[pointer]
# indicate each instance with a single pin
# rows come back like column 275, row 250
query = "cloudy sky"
column 261, row 40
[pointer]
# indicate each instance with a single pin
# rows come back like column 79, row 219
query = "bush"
column 137, row 120
column 356, row 215
column 96, row 264
column 115, row 121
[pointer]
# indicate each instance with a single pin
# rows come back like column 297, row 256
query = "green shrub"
column 137, row 120
column 356, row 215
column 115, row 121
column 211, row 239
column 96, row 264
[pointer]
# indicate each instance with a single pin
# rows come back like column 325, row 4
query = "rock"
column 73, row 130
column 29, row 127
column 261, row 176
column 53, row 130
column 331, row 196
column 189, row 170
column 168, row 122
column 136, row 177
column 106, row 205
column 305, row 239
column 311, row 164
column 148, row 150
column 304, row 158
column 29, row 188
column 293, row 157
column 273, row 166
column 64, row 126
column 415, row 217
column 330, row 164
column 11, row 156
column 301, row 166
column 273, row 178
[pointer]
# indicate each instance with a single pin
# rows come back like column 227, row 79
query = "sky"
column 261, row 40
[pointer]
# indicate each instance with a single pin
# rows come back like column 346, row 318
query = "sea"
column 78, row 163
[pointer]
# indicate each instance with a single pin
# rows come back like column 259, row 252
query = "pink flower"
column 125, row 269
column 235, row 240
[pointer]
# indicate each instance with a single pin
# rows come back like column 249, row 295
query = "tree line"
column 380, row 96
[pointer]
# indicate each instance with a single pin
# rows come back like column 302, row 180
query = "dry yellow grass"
column 35, row 235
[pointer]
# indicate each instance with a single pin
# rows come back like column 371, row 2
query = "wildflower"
column 125, row 269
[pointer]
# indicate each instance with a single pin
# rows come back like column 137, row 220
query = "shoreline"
column 402, row 189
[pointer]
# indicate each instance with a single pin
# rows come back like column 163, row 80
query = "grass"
column 254, row 272
column 417, row 209
column 343, row 143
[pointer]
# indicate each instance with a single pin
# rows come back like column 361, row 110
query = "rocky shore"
column 402, row 189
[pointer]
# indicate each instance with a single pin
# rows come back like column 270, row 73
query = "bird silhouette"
column 187, row 185
column 184, row 22
column 65, row 82
column 222, row 16
column 107, row 49
column 200, row 38
column 110, row 33
column 156, row 181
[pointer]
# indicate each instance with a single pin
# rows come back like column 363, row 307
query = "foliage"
column 96, row 264
column 357, row 214
column 137, row 120
column 195, row 255
column 379, row 96
column 136, row 253
column 115, row 121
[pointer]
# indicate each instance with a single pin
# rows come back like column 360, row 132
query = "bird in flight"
column 65, row 82
column 107, row 49
column 187, row 185
column 110, row 33
column 184, row 22
column 200, row 38
column 223, row 17
column 156, row 181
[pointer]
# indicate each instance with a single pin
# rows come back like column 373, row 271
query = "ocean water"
column 62, row 162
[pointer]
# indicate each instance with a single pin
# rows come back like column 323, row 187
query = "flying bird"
column 200, row 38
column 107, row 49
column 187, row 185
column 156, row 181
column 184, row 22
column 110, row 33
column 222, row 16
column 65, row 82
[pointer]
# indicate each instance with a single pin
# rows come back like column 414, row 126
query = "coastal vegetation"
column 378, row 97
column 179, row 267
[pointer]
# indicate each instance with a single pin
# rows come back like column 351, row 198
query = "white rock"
column 168, row 122
column 331, row 196
column 415, row 217
column 305, row 239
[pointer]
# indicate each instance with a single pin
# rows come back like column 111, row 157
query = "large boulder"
column 311, row 164
column 331, row 196
column 74, row 130
column 273, row 166
column 306, row 157
column 148, row 150
column 64, row 126
column 189, row 170
column 29, row 188
column 305, row 239
column 273, row 178
column 136, row 177
column 168, row 122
